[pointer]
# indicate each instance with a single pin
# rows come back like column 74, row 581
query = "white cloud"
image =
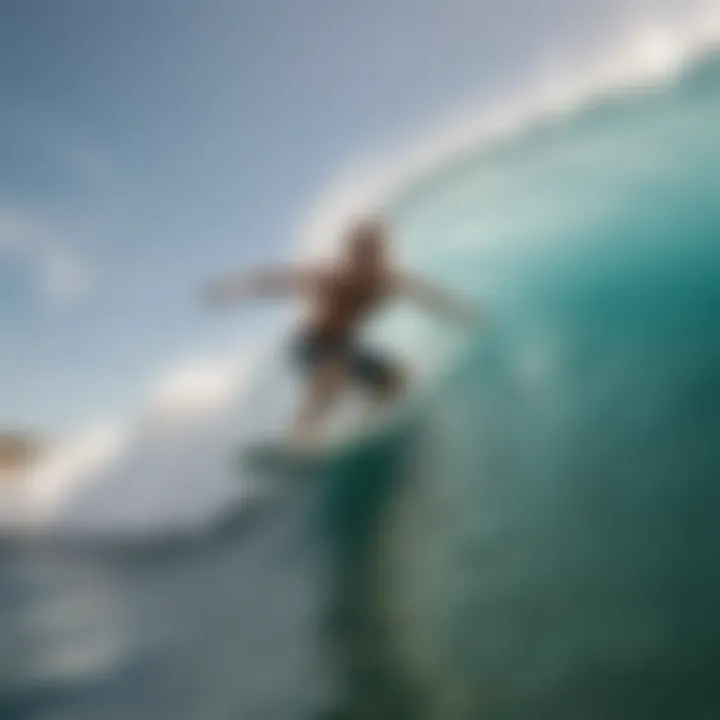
column 198, row 388
column 60, row 273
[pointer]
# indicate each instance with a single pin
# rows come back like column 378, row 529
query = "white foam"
column 40, row 491
column 651, row 54
column 165, row 468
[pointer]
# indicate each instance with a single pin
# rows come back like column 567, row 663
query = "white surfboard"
column 278, row 457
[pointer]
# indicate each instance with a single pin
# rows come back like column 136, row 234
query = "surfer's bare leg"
column 324, row 387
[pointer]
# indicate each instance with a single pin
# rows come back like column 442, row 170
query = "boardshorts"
column 366, row 367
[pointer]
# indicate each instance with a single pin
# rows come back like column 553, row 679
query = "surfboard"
column 275, row 457
column 278, row 458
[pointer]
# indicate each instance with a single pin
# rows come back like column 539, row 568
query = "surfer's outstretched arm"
column 262, row 283
column 436, row 300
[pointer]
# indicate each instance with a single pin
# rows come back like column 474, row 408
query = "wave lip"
column 649, row 56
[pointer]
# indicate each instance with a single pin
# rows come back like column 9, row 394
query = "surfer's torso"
column 344, row 299
column 341, row 301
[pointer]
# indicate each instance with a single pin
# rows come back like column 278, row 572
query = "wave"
column 172, row 467
column 540, row 539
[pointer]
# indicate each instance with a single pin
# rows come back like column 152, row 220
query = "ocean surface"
column 537, row 540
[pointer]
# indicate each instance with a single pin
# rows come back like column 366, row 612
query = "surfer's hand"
column 274, row 281
column 433, row 298
column 221, row 294
column 471, row 316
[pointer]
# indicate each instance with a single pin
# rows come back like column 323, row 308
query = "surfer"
column 341, row 298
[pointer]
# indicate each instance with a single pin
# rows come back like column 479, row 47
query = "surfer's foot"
column 303, row 444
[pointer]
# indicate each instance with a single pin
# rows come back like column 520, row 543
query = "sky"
column 146, row 146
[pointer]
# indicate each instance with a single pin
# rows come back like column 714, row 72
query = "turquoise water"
column 538, row 541
column 555, row 553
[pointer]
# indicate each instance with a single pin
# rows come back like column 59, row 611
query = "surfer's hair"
column 370, row 230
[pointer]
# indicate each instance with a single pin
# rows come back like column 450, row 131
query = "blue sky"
column 147, row 144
